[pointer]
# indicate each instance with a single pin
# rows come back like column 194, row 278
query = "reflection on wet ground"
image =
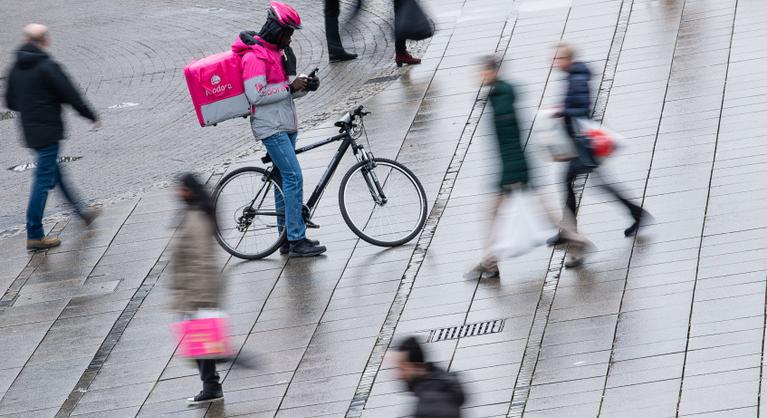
column 670, row 323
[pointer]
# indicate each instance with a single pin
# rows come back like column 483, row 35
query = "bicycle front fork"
column 371, row 179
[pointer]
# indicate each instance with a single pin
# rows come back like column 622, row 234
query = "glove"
column 313, row 84
column 298, row 84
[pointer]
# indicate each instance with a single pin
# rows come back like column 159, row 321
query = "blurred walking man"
column 37, row 87
column 439, row 392
column 335, row 47
column 577, row 104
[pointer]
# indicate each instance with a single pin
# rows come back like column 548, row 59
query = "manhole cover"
column 468, row 330
column 123, row 105
column 28, row 166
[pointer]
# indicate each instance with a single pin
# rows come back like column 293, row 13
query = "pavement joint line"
column 502, row 48
column 532, row 352
column 705, row 218
column 384, row 339
column 12, row 293
column 117, row 329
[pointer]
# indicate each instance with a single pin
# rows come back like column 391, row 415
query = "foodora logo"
column 220, row 88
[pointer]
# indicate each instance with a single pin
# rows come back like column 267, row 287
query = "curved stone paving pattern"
column 670, row 324
column 135, row 51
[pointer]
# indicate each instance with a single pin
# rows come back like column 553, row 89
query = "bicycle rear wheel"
column 249, row 224
column 383, row 202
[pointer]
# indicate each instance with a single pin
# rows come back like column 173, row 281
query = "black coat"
column 439, row 395
column 578, row 105
column 37, row 87
column 578, row 98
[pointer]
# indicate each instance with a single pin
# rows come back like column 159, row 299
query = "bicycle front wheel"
column 383, row 202
column 249, row 221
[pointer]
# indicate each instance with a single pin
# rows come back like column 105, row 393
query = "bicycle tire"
column 219, row 237
column 421, row 195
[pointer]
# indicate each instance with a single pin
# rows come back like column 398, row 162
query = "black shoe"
column 639, row 220
column 305, row 248
column 342, row 56
column 285, row 248
column 574, row 262
column 204, row 397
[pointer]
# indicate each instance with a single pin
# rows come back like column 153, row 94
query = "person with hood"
column 267, row 61
column 439, row 392
column 577, row 104
column 37, row 87
column 195, row 281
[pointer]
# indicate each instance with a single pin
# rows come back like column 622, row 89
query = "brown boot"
column 406, row 58
column 42, row 244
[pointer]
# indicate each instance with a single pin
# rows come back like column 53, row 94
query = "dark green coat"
column 513, row 163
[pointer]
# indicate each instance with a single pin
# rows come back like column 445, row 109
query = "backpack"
column 217, row 90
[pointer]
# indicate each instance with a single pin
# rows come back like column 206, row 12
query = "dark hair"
column 199, row 197
column 412, row 347
column 491, row 63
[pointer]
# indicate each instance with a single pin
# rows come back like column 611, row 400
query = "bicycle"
column 381, row 200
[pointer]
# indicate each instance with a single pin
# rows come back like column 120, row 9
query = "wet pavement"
column 670, row 323
column 128, row 58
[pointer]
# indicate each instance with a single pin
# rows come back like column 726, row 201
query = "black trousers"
column 575, row 169
column 400, row 44
column 332, row 33
column 209, row 376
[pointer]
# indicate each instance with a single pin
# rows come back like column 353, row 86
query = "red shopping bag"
column 204, row 337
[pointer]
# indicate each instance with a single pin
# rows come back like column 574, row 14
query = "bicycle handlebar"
column 357, row 112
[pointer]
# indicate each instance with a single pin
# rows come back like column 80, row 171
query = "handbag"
column 520, row 226
column 204, row 336
column 411, row 22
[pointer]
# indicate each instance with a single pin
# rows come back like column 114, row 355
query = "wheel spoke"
column 398, row 220
column 248, row 225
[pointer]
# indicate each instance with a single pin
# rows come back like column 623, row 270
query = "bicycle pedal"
column 310, row 224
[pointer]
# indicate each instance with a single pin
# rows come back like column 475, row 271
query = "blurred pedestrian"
column 195, row 281
column 514, row 178
column 410, row 22
column 439, row 392
column 267, row 61
column 577, row 105
column 37, row 88
column 336, row 50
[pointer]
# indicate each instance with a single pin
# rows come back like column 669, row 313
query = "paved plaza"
column 670, row 323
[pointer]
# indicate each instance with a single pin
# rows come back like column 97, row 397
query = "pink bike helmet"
column 284, row 15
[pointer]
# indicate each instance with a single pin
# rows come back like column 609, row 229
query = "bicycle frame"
column 319, row 189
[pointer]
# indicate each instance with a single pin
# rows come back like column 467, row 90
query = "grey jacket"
column 267, row 86
column 195, row 280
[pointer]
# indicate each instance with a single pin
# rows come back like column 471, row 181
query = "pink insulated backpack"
column 217, row 90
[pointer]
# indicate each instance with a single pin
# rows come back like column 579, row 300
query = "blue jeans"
column 47, row 176
column 282, row 148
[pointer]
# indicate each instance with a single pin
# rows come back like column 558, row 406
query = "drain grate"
column 468, row 330
column 7, row 115
column 382, row 79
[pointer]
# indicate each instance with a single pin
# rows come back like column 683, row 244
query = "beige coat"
column 195, row 279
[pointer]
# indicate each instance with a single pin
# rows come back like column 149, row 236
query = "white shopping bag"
column 520, row 226
column 552, row 135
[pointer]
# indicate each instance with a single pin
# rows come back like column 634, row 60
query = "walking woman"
column 514, row 169
column 195, row 281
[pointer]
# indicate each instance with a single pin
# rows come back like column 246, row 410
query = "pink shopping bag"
column 204, row 337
